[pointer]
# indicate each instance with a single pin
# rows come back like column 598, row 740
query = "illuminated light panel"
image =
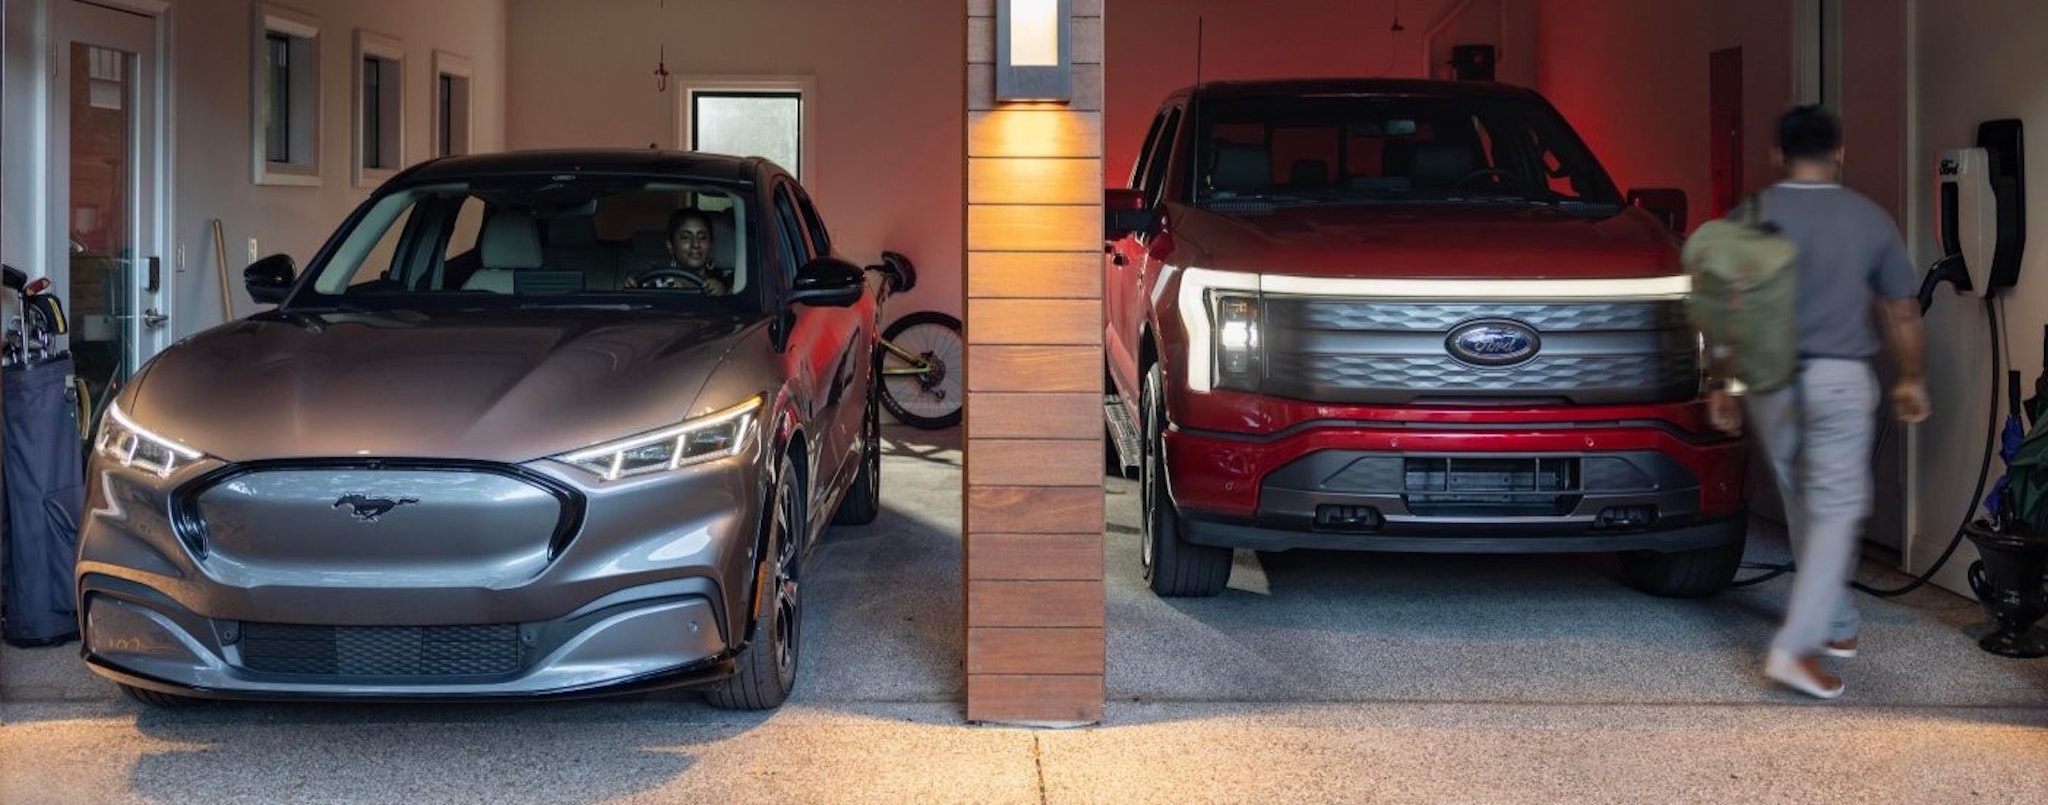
column 1034, row 33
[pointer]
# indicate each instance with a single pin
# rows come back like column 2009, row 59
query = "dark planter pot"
column 2008, row 579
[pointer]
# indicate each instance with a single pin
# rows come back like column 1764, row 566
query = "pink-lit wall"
column 887, row 163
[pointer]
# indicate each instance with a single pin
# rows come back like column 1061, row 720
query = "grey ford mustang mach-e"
column 498, row 441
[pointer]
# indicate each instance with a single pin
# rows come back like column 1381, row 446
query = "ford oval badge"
column 1493, row 343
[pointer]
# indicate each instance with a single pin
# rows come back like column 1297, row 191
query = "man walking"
column 1818, row 432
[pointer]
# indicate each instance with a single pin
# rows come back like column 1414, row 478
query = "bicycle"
column 922, row 354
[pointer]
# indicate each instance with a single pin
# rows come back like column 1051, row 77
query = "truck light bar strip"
column 1194, row 309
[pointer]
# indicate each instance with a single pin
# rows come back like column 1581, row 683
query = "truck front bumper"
column 1522, row 488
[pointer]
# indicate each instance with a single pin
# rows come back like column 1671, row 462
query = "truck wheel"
column 767, row 666
column 863, row 501
column 1682, row 574
column 1175, row 567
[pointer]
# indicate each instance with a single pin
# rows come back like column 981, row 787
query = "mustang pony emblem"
column 367, row 509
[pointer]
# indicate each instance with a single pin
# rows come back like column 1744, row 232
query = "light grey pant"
column 1817, row 434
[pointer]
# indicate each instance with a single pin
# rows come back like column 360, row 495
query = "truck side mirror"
column 270, row 278
column 1123, row 212
column 1666, row 203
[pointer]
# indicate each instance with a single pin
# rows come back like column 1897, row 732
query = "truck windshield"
column 1402, row 149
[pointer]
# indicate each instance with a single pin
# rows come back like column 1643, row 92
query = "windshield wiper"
column 585, row 306
column 1258, row 198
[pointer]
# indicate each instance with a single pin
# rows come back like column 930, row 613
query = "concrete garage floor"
column 1317, row 677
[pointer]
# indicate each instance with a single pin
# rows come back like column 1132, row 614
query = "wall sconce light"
column 1034, row 50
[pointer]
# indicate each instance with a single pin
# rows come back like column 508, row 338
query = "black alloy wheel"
column 767, row 667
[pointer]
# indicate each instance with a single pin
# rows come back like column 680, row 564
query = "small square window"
column 286, row 114
column 764, row 116
column 380, row 108
column 452, row 76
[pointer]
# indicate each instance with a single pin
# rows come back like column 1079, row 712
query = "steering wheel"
column 1501, row 172
column 649, row 279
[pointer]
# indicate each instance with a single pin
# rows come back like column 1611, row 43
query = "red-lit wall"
column 1151, row 49
column 1632, row 76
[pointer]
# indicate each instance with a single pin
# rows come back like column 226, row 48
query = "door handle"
column 153, row 318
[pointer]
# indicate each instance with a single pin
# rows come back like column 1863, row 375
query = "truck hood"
column 1443, row 241
column 487, row 386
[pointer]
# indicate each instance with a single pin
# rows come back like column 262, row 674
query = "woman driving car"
column 689, row 244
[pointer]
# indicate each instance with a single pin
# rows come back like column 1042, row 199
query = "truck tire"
column 1682, row 574
column 1174, row 567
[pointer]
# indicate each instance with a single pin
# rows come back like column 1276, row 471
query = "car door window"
column 790, row 230
column 469, row 225
column 1162, row 154
column 383, row 255
column 1145, row 151
column 821, row 241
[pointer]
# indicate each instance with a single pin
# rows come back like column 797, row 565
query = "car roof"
column 681, row 164
column 1354, row 86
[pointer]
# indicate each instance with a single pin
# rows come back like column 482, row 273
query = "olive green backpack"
column 1744, row 281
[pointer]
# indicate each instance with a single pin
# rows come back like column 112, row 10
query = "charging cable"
column 1942, row 271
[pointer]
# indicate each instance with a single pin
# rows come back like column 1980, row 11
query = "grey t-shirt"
column 1849, row 253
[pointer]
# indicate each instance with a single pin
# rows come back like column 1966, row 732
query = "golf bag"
column 45, row 481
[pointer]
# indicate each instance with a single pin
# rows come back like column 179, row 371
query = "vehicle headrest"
column 510, row 239
column 1308, row 173
column 572, row 231
column 1397, row 157
column 1441, row 164
column 724, row 243
column 1242, row 168
column 651, row 244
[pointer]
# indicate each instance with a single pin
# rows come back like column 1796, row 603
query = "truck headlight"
column 130, row 445
column 1235, row 320
column 712, row 436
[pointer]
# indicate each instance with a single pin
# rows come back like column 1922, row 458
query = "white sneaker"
column 1802, row 674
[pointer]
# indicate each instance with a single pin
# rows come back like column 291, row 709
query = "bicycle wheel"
column 921, row 361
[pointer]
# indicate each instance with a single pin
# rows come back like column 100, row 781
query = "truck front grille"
column 1395, row 352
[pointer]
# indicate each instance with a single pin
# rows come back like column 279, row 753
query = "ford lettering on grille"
column 1493, row 343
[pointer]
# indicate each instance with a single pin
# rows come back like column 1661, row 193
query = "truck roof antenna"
column 1198, row 48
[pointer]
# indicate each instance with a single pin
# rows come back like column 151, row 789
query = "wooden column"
column 1033, row 525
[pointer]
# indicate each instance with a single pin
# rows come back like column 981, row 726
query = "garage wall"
column 1632, row 77
column 212, row 51
column 886, row 147
column 1976, row 60
column 1151, row 48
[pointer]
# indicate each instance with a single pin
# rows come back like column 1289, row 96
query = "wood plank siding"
column 1033, row 520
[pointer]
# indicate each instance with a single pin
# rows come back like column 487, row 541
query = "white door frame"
column 51, row 230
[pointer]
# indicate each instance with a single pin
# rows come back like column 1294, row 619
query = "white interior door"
column 106, row 208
